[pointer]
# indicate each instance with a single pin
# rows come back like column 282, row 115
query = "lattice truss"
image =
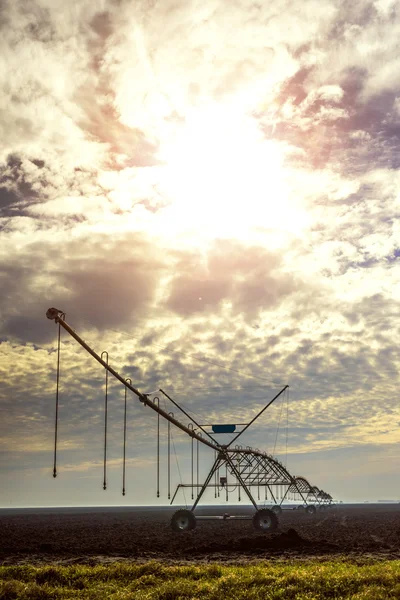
column 264, row 476
column 246, row 469
column 260, row 470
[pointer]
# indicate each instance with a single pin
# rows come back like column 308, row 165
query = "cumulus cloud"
column 288, row 273
column 249, row 279
column 104, row 284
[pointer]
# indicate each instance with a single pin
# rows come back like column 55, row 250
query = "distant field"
column 290, row 580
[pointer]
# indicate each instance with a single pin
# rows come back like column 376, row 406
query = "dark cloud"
column 295, row 87
column 107, row 291
column 316, row 132
column 356, row 14
column 260, row 291
column 39, row 25
column 196, row 293
column 394, row 256
column 102, row 25
column 39, row 163
column 8, row 202
column 248, row 277
column 369, row 134
column 18, row 188
column 381, row 146
column 103, row 286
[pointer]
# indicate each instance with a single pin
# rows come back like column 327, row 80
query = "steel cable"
column 238, row 482
column 57, row 397
column 197, row 474
column 192, row 457
column 277, row 429
column 169, row 460
column 171, row 414
column 215, row 476
column 105, row 423
column 158, row 448
column 124, row 454
column 178, row 468
column 287, row 422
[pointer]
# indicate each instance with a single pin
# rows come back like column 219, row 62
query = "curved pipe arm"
column 59, row 317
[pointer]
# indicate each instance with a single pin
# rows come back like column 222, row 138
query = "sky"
column 210, row 192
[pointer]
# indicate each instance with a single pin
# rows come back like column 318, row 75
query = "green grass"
column 263, row 581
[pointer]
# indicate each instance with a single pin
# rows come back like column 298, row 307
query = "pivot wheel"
column 265, row 520
column 183, row 520
column 310, row 509
column 276, row 509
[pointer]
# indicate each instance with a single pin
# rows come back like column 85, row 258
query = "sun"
column 223, row 178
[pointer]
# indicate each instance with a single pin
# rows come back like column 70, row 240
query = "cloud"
column 248, row 278
column 103, row 284
column 93, row 95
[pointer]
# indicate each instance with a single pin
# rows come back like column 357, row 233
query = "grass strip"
column 262, row 581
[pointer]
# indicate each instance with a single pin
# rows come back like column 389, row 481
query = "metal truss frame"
column 250, row 467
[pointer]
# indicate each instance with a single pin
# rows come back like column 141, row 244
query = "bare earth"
column 101, row 535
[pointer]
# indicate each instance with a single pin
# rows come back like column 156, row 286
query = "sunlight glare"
column 222, row 176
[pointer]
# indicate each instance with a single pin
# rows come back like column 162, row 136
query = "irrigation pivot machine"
column 248, row 469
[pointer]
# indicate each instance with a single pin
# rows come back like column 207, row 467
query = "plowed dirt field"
column 101, row 535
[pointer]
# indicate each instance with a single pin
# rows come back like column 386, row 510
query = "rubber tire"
column 310, row 509
column 276, row 509
column 265, row 520
column 183, row 520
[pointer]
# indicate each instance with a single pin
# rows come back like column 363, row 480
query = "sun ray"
column 224, row 178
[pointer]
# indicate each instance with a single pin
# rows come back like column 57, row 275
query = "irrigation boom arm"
column 59, row 317
column 250, row 467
